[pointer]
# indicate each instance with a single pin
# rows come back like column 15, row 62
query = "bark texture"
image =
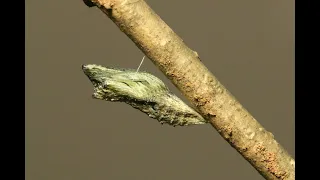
column 184, row 68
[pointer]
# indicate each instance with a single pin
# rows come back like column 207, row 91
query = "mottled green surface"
column 142, row 91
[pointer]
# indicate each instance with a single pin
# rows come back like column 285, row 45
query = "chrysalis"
column 142, row 91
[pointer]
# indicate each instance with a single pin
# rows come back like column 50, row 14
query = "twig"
column 184, row 68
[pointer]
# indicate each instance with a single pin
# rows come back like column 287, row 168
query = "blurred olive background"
column 248, row 45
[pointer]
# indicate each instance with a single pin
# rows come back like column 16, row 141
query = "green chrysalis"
column 142, row 91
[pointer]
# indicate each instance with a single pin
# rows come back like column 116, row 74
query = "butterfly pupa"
column 142, row 91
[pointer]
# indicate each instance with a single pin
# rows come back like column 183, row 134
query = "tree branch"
column 184, row 68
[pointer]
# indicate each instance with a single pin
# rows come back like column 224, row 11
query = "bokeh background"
column 248, row 45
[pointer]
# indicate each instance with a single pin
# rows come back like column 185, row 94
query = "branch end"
column 89, row 3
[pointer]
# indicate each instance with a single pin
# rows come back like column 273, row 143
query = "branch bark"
column 184, row 68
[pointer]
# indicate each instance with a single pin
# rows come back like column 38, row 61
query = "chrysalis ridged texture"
column 142, row 91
